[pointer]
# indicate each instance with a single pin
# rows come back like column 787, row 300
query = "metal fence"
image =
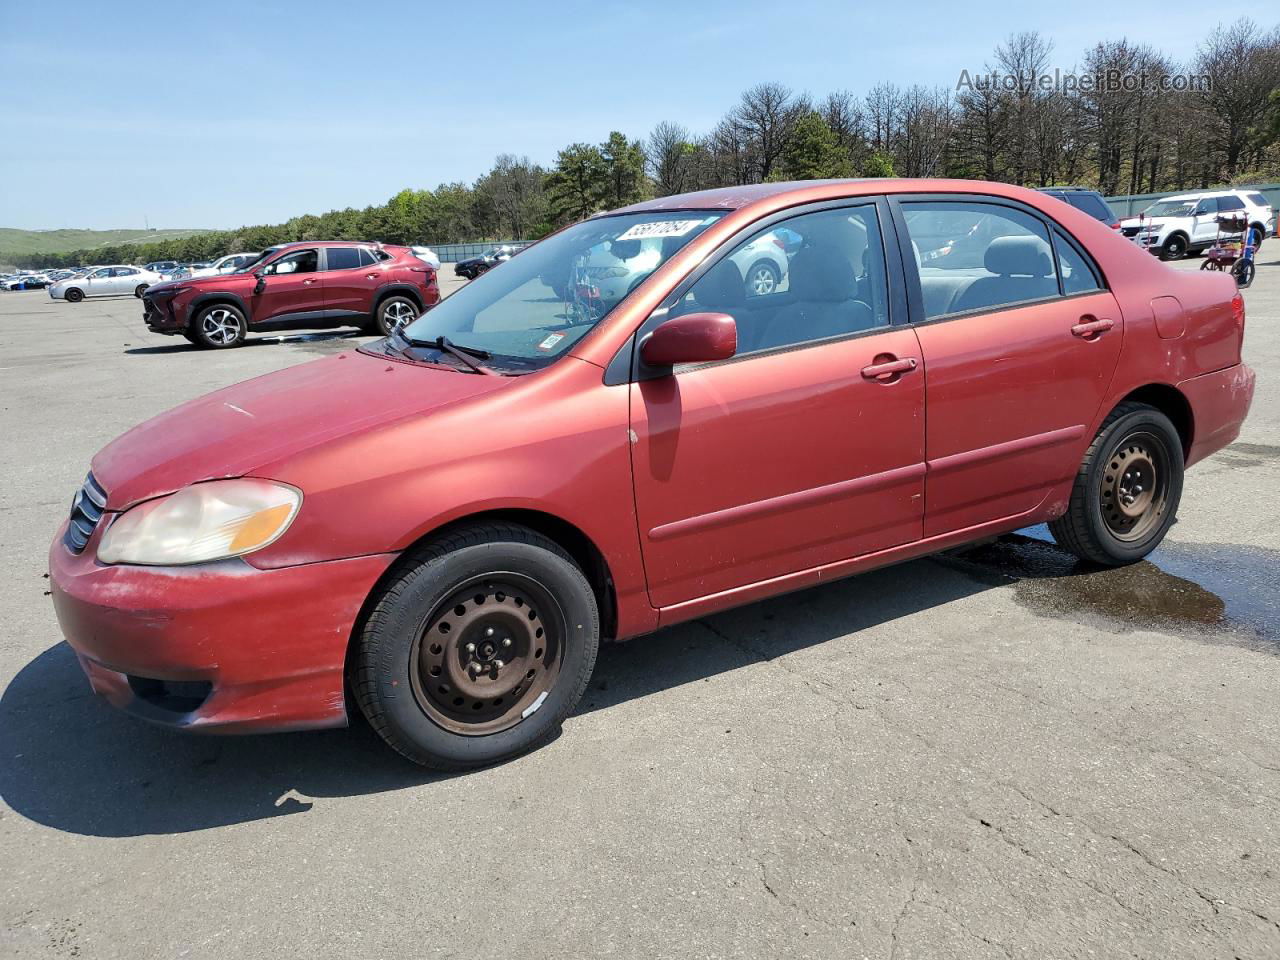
column 453, row 252
column 1128, row 206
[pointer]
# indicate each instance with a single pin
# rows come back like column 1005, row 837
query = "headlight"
column 205, row 521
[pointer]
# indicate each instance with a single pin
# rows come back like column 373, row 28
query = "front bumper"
column 1220, row 402
column 159, row 315
column 222, row 646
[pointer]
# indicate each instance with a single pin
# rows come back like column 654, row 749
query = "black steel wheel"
column 1175, row 248
column 1127, row 490
column 477, row 647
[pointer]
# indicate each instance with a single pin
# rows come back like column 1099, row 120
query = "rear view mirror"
column 693, row 338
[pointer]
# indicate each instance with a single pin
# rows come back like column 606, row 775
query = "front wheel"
column 393, row 313
column 1175, row 248
column 219, row 327
column 74, row 296
column 1242, row 270
column 1127, row 490
column 478, row 649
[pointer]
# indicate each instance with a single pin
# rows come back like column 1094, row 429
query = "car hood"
column 1147, row 221
column 214, row 281
column 236, row 430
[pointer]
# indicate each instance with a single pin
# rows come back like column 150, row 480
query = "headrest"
column 722, row 287
column 1018, row 256
column 819, row 274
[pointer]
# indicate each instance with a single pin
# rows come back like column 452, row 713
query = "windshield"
column 529, row 310
column 1170, row 208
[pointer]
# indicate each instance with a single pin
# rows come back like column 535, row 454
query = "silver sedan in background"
column 113, row 281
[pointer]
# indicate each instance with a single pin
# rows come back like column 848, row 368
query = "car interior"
column 835, row 284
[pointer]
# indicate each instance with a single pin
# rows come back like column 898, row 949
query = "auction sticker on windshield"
column 660, row 228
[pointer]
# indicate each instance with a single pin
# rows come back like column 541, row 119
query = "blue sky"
column 236, row 113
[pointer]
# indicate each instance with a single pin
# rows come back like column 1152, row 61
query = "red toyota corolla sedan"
column 439, row 528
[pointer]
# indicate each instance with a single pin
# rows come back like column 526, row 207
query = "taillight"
column 1237, row 312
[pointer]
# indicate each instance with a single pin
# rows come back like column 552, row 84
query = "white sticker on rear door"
column 660, row 228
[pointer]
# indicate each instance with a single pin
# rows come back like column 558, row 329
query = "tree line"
column 1144, row 134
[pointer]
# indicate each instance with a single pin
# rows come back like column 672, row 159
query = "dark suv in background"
column 296, row 285
column 1086, row 200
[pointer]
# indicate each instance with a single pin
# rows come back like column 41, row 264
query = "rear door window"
column 978, row 256
column 367, row 259
column 1078, row 273
column 341, row 258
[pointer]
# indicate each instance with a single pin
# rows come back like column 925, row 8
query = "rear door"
column 806, row 447
column 350, row 276
column 292, row 286
column 1020, row 345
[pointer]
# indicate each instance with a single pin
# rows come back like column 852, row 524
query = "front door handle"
column 1089, row 328
column 887, row 368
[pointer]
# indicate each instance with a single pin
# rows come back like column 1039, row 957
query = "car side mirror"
column 262, row 282
column 693, row 338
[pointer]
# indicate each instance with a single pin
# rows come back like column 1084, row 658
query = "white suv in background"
column 232, row 261
column 1175, row 226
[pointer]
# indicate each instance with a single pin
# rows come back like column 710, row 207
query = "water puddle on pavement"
column 1221, row 592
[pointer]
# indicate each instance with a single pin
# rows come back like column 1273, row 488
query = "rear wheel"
column 478, row 649
column 139, row 290
column 74, row 295
column 394, row 312
column 219, row 327
column 1127, row 489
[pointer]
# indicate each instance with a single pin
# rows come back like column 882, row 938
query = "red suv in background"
column 307, row 284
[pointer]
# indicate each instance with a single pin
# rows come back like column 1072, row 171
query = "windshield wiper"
column 445, row 345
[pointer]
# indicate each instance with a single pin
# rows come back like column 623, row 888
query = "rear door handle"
column 309, row 281
column 1087, row 328
column 888, row 367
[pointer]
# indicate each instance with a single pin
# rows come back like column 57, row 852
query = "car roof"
column 778, row 195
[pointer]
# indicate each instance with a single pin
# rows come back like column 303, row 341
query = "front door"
column 804, row 449
column 290, row 286
column 1021, row 339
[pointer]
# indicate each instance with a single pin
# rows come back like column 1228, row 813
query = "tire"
column 762, row 279
column 394, row 311
column 1175, row 248
column 449, row 708
column 219, row 326
column 140, row 289
column 1243, row 271
column 1135, row 443
column 74, row 295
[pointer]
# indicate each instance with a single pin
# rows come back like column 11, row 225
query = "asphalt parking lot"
column 993, row 754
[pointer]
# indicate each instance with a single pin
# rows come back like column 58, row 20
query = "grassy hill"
column 17, row 242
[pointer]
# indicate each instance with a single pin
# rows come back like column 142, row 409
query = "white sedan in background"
column 111, row 281
column 232, row 261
